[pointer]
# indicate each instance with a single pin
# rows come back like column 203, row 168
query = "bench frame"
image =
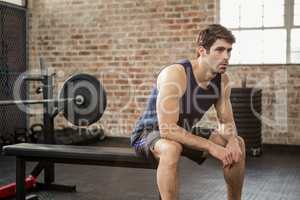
column 32, row 154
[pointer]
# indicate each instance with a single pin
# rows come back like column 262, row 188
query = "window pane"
column 229, row 13
column 249, row 47
column 297, row 12
column 251, row 11
column 295, row 46
column 235, row 53
column 16, row 2
column 295, row 57
column 295, row 40
column 274, row 46
column 273, row 11
column 258, row 46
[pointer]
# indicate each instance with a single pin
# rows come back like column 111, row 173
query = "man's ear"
column 201, row 51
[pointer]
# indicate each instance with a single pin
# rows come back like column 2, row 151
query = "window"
column 267, row 31
column 16, row 2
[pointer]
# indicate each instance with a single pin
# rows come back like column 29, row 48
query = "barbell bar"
column 78, row 99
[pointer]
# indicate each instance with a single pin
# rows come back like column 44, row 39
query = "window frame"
column 288, row 26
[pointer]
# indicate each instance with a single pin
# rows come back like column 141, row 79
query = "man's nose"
column 226, row 55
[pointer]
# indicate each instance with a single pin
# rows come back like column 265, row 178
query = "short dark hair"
column 211, row 33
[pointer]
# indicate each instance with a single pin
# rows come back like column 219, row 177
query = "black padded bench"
column 87, row 155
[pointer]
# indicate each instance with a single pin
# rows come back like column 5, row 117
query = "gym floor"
column 275, row 176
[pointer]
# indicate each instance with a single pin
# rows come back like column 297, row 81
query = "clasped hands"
column 228, row 155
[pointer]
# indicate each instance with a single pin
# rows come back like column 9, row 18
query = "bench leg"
column 49, row 173
column 20, row 178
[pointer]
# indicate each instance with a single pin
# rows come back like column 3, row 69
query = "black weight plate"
column 94, row 99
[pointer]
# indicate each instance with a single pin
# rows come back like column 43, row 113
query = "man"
column 183, row 93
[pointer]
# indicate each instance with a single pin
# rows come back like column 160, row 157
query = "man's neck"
column 202, row 73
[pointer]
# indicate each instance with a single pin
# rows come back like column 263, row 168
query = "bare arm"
column 227, row 125
column 171, row 85
column 224, row 111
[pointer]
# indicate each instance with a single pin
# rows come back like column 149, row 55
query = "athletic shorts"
column 148, row 138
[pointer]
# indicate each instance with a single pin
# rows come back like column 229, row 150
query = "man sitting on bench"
column 184, row 91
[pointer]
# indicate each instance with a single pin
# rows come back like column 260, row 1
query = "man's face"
column 217, row 58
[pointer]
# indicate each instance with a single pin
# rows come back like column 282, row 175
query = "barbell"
column 18, row 102
column 82, row 100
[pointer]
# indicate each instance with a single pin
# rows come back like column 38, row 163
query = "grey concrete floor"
column 273, row 176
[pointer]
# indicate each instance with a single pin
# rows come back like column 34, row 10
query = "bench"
column 47, row 154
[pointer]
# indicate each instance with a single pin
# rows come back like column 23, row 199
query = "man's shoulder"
column 178, row 66
column 173, row 71
column 172, row 77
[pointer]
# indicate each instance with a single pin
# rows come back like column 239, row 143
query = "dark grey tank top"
column 193, row 104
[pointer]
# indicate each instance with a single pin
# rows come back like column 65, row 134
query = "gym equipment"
column 10, row 189
column 17, row 102
column 82, row 100
column 69, row 135
column 7, row 139
column 89, row 155
column 20, row 135
column 91, row 99
column 246, row 105
column 36, row 130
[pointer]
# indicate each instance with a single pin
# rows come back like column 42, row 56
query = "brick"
column 174, row 15
column 76, row 36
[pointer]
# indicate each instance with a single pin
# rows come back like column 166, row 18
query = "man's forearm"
column 180, row 135
column 228, row 130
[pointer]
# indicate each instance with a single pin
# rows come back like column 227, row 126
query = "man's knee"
column 169, row 151
column 242, row 146
column 241, row 142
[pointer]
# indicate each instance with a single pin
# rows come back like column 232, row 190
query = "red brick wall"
column 125, row 43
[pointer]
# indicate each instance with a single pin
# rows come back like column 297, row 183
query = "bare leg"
column 168, row 153
column 234, row 176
